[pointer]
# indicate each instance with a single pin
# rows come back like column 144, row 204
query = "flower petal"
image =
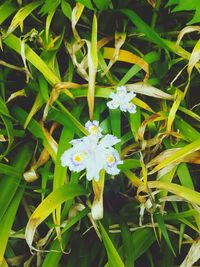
column 131, row 108
column 93, row 128
column 130, row 96
column 109, row 140
column 121, row 91
column 113, row 104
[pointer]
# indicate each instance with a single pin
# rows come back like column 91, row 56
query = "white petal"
column 91, row 172
column 111, row 166
column 130, row 96
column 76, row 141
column 109, row 140
column 113, row 104
column 121, row 90
column 131, row 108
column 93, row 128
column 65, row 158
column 112, row 95
column 123, row 106
column 91, row 123
column 112, row 170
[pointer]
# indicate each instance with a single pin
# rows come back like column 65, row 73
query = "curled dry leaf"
column 119, row 41
column 127, row 56
column 58, row 88
column 147, row 89
column 184, row 31
column 97, row 205
column 184, row 192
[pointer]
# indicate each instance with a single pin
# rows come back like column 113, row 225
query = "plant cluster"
column 99, row 133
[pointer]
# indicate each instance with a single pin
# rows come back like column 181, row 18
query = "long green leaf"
column 48, row 205
column 7, row 221
column 113, row 256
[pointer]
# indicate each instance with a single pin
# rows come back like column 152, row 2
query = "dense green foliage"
column 59, row 62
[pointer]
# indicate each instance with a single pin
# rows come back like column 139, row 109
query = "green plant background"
column 59, row 62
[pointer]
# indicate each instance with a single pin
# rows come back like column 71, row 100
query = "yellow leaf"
column 97, row 205
column 178, row 155
column 76, row 14
column 178, row 97
column 147, row 89
column 119, row 41
column 48, row 205
column 179, row 190
column 128, row 57
column 194, row 57
column 185, row 30
column 92, row 65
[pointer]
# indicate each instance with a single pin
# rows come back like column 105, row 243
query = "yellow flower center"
column 121, row 93
column 110, row 159
column 94, row 129
column 130, row 105
column 78, row 157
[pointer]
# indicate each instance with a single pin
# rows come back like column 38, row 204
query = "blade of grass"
column 113, row 257
column 7, row 221
column 7, row 9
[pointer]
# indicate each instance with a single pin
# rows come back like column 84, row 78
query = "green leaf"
column 184, row 151
column 6, row 9
column 21, row 15
column 86, row 3
column 145, row 29
column 4, row 109
column 142, row 240
column 186, row 129
column 66, row 9
column 135, row 122
column 196, row 17
column 49, row 6
column 184, row 176
column 9, row 182
column 113, row 257
column 115, row 120
column 127, row 244
column 102, row 4
column 52, row 258
column 14, row 43
column 39, row 101
column 48, row 205
column 163, row 229
column 9, row 170
column 7, row 221
column 183, row 5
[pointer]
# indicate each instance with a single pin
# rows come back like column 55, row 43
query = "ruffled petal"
column 131, row 108
column 130, row 96
column 113, row 104
column 109, row 140
column 121, row 90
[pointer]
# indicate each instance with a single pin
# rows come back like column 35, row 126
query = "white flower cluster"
column 93, row 153
column 122, row 100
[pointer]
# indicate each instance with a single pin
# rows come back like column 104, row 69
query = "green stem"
column 155, row 14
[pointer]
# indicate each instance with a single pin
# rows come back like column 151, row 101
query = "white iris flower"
column 93, row 128
column 122, row 100
column 93, row 153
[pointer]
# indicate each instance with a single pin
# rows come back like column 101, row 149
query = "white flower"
column 122, row 100
column 93, row 128
column 112, row 160
column 93, row 154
